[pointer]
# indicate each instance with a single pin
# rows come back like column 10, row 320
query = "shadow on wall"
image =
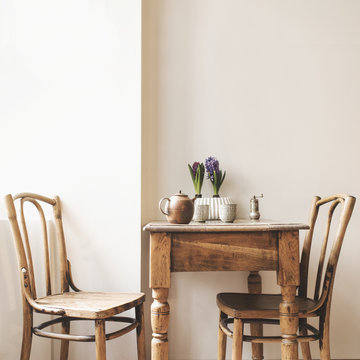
column 10, row 309
column 10, row 302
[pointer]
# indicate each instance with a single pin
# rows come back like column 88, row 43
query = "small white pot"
column 214, row 205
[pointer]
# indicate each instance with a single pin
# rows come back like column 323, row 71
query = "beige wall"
column 271, row 88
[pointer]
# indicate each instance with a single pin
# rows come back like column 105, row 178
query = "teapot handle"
column 160, row 203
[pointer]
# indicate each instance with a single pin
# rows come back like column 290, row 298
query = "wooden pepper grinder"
column 254, row 207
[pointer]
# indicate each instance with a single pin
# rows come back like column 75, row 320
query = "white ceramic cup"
column 227, row 212
column 201, row 212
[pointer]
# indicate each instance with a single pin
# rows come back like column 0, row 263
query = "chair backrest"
column 325, row 280
column 22, row 241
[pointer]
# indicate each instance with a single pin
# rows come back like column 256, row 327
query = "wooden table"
column 216, row 246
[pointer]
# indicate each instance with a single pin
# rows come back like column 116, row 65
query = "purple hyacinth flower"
column 212, row 165
column 194, row 167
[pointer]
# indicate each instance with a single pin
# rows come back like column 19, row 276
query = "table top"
column 219, row 226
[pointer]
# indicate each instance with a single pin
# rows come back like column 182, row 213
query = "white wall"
column 272, row 89
column 70, row 125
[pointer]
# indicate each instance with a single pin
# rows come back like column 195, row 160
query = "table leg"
column 288, row 278
column 160, row 313
column 254, row 287
column 160, row 244
column 289, row 323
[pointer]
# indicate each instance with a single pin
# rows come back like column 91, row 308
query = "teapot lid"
column 180, row 194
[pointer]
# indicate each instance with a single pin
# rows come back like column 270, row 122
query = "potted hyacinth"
column 197, row 172
column 214, row 174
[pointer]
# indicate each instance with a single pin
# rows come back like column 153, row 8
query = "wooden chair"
column 240, row 308
column 69, row 306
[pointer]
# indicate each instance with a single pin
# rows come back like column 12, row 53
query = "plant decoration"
column 214, row 174
column 197, row 172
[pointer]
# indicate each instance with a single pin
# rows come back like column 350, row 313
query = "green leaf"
column 196, row 181
column 202, row 173
column 222, row 180
column 215, row 178
column 191, row 172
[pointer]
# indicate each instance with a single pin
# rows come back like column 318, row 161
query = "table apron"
column 226, row 251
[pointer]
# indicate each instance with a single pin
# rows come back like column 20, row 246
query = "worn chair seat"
column 92, row 305
column 248, row 306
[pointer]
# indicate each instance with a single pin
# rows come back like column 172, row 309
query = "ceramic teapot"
column 179, row 208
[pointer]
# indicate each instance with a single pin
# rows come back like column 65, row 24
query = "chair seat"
column 91, row 305
column 258, row 306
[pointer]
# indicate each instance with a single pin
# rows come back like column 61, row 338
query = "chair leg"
column 27, row 332
column 140, row 332
column 100, row 340
column 64, row 351
column 305, row 346
column 257, row 349
column 237, row 342
column 324, row 341
column 254, row 287
column 221, row 339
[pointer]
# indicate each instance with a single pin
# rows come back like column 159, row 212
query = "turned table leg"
column 288, row 279
column 254, row 287
column 160, row 244
column 289, row 323
column 160, row 312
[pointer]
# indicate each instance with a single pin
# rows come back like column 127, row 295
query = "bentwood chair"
column 239, row 309
column 67, row 306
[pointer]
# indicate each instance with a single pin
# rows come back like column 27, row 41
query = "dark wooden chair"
column 69, row 306
column 239, row 309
